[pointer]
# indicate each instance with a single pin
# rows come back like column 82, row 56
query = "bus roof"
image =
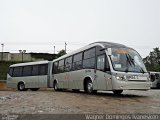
column 103, row 44
column 29, row 63
column 110, row 44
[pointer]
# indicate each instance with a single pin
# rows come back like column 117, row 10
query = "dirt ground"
column 3, row 86
column 68, row 102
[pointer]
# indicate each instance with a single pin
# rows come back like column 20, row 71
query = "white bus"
column 101, row 66
column 155, row 79
column 31, row 75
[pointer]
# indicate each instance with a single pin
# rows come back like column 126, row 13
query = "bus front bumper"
column 130, row 85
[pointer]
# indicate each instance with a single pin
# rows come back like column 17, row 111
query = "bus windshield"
column 127, row 60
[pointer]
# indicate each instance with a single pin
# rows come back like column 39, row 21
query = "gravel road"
column 68, row 102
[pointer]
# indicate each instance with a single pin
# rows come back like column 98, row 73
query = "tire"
column 21, row 87
column 89, row 87
column 34, row 89
column 117, row 92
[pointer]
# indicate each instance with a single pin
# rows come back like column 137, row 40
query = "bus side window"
column 34, row 70
column 101, row 62
column 43, row 69
column 89, row 59
column 17, row 72
column 27, row 70
column 99, row 50
column 68, row 64
column 61, row 66
column 77, row 61
column 55, row 66
column 10, row 71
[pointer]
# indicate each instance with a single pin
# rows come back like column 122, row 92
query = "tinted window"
column 61, row 63
column 77, row 61
column 68, row 64
column 27, row 70
column 34, row 70
column 99, row 50
column 55, row 66
column 101, row 62
column 10, row 71
column 77, row 65
column 89, row 53
column 61, row 66
column 89, row 58
column 77, row 57
column 43, row 69
column 17, row 72
column 68, row 60
column 89, row 63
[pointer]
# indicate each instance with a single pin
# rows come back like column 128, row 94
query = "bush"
column 4, row 66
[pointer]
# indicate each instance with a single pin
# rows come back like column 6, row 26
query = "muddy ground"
column 68, row 102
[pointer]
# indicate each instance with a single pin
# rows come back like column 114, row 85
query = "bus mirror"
column 109, row 51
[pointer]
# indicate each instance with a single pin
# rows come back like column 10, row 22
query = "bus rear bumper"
column 123, row 85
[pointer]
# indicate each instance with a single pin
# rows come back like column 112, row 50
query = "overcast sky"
column 38, row 25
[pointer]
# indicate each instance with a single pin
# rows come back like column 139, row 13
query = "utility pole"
column 22, row 52
column 54, row 49
column 2, row 52
column 65, row 47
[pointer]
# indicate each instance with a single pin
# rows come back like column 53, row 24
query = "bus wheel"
column 117, row 92
column 21, row 86
column 34, row 89
column 89, row 86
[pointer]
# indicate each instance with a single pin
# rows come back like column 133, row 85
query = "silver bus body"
column 31, row 74
column 112, row 78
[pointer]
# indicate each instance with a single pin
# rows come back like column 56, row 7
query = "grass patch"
column 4, row 67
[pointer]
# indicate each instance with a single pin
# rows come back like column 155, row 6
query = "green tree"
column 152, row 61
column 61, row 53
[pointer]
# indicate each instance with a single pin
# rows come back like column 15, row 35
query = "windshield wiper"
column 128, row 61
column 132, row 61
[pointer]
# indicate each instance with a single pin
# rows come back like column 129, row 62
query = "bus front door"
column 103, row 79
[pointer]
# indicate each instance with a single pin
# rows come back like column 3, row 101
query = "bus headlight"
column 121, row 78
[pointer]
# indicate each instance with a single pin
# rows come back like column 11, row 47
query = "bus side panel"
column 29, row 81
column 77, row 78
column 42, row 81
column 11, row 83
column 76, row 81
column 103, row 80
column 59, row 78
column 71, row 84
